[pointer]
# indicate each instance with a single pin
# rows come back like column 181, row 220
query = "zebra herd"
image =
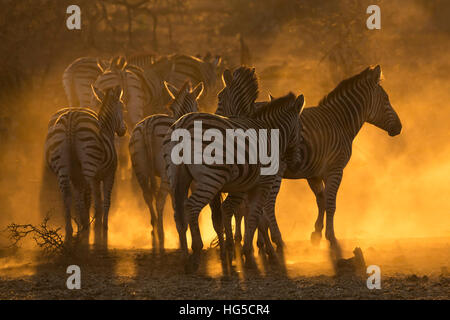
column 315, row 143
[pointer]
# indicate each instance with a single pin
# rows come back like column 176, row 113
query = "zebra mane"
column 242, row 90
column 278, row 103
column 184, row 100
column 348, row 84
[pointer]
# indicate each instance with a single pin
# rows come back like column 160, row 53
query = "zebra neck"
column 277, row 120
column 106, row 121
column 348, row 112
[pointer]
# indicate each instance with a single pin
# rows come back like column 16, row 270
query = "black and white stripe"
column 328, row 133
column 178, row 68
column 146, row 152
column 79, row 150
column 78, row 78
column 235, row 179
column 238, row 97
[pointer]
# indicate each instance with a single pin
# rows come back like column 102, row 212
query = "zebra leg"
column 87, row 208
column 256, row 201
column 108, row 184
column 269, row 210
column 148, row 197
column 160, row 202
column 83, row 227
column 263, row 241
column 98, row 206
column 316, row 185
column 179, row 195
column 64, row 186
column 230, row 206
column 260, row 242
column 332, row 183
column 239, row 214
column 200, row 197
column 216, row 215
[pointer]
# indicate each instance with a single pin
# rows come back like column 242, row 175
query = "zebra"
column 145, row 150
column 235, row 179
column 237, row 99
column 79, row 149
column 328, row 131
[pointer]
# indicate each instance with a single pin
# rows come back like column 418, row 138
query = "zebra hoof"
column 316, row 237
column 191, row 265
column 250, row 263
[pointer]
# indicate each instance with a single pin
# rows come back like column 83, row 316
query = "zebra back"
column 178, row 68
column 78, row 77
column 282, row 114
column 141, row 60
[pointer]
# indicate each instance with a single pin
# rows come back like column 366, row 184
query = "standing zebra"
column 328, row 133
column 146, row 156
column 79, row 150
column 237, row 99
column 235, row 179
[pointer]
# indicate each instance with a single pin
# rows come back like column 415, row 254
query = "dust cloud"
column 393, row 188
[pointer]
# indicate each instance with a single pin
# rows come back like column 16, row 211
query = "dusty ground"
column 411, row 269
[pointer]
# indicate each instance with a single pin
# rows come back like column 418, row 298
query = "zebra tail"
column 149, row 152
column 50, row 201
column 69, row 87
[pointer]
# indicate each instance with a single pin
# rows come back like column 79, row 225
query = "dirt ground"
column 410, row 269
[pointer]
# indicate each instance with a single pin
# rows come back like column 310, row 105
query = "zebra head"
column 293, row 155
column 184, row 100
column 239, row 94
column 284, row 113
column 381, row 113
column 111, row 116
column 119, row 73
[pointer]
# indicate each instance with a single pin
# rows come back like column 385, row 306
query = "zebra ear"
column 117, row 92
column 98, row 94
column 217, row 61
column 171, row 89
column 101, row 65
column 299, row 103
column 198, row 90
column 227, row 77
column 376, row 73
column 121, row 63
column 271, row 97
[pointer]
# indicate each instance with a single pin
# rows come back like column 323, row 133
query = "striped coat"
column 146, row 153
column 235, row 179
column 328, row 133
column 142, row 80
column 79, row 150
